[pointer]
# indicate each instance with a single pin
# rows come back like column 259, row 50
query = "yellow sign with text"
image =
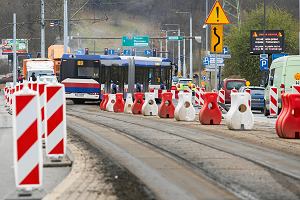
column 216, row 39
column 217, row 15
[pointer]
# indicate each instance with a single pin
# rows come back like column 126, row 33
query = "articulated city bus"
column 86, row 77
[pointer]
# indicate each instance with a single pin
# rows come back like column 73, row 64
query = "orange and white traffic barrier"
column 149, row 107
column 273, row 101
column 234, row 90
column 28, row 164
column 221, row 97
column 296, row 89
column 55, row 118
column 128, row 104
column 239, row 116
column 201, row 99
column 184, row 110
column 42, row 99
column 197, row 96
column 111, row 102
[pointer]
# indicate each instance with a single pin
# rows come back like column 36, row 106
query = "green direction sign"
column 174, row 38
column 136, row 41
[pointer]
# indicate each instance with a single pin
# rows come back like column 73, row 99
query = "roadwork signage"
column 274, row 41
column 216, row 39
column 217, row 15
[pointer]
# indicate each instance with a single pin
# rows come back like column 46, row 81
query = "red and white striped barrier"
column 27, row 147
column 55, row 117
column 202, row 91
column 296, row 89
column 221, row 97
column 197, row 96
column 42, row 99
column 247, row 90
column 273, row 101
column 234, row 90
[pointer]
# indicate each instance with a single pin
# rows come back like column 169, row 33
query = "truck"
column 39, row 66
column 55, row 53
column 284, row 73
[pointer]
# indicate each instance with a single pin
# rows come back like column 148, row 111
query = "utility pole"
column 160, row 47
column 179, row 61
column 42, row 29
column 299, row 27
column 14, row 49
column 206, row 31
column 191, row 45
column 264, row 74
column 66, row 29
column 167, row 55
column 184, row 64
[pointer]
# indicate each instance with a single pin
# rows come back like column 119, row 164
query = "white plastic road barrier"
column 111, row 102
column 28, row 164
column 296, row 89
column 184, row 110
column 221, row 97
column 273, row 101
column 239, row 116
column 149, row 107
column 55, row 117
column 42, row 99
column 128, row 103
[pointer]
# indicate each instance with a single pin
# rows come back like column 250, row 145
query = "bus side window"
column 271, row 79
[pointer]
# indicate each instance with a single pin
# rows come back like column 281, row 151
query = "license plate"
column 79, row 95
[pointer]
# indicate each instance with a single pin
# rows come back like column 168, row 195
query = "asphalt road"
column 246, row 169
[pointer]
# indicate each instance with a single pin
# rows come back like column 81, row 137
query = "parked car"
column 257, row 97
column 284, row 73
column 229, row 84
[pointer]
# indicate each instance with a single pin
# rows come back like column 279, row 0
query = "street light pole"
column 66, row 37
column 14, row 49
column 179, row 61
column 299, row 27
column 191, row 45
column 42, row 29
column 206, row 31
column 191, row 40
column 184, row 63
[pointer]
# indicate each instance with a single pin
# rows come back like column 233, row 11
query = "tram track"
column 278, row 165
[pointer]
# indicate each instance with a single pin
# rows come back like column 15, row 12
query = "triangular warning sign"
column 217, row 15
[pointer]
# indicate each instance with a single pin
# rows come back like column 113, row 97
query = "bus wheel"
column 78, row 101
column 266, row 111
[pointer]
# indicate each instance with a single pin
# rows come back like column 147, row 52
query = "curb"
column 78, row 159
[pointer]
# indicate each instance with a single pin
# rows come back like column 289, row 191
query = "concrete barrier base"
column 26, row 195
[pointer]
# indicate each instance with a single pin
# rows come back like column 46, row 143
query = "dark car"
column 257, row 97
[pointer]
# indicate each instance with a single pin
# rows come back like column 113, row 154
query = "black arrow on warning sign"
column 219, row 39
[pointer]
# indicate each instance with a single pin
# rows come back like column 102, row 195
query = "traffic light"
column 106, row 51
column 154, row 54
column 86, row 51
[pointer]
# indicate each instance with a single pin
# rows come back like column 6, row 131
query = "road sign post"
column 217, row 18
column 264, row 62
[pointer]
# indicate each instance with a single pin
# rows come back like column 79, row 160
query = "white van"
column 284, row 73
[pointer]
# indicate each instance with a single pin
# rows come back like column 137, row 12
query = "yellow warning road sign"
column 216, row 39
column 217, row 15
